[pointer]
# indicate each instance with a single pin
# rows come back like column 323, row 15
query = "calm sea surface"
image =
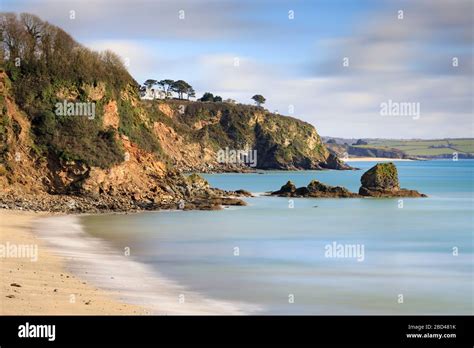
column 272, row 253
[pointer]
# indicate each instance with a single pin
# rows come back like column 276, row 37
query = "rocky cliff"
column 193, row 133
column 119, row 152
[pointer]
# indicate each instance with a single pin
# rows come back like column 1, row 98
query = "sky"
column 332, row 63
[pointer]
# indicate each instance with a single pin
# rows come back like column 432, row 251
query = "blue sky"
column 296, row 63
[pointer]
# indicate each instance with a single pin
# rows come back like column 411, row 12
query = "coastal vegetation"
column 259, row 99
column 167, row 86
column 45, row 66
column 209, row 97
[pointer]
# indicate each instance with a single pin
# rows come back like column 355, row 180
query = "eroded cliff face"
column 188, row 135
column 18, row 166
column 36, row 178
column 193, row 133
column 78, row 134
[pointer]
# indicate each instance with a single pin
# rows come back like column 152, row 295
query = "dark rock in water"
column 301, row 191
column 228, row 201
column 382, row 181
column 243, row 193
column 390, row 193
column 213, row 203
column 287, row 190
column 318, row 189
column 314, row 189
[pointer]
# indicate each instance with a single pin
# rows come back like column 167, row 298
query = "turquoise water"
column 281, row 264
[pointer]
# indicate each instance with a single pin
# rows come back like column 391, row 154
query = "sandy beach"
column 37, row 283
column 72, row 273
column 374, row 159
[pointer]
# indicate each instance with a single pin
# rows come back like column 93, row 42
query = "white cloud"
column 405, row 60
column 348, row 105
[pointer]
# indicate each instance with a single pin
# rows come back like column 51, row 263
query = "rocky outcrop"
column 174, row 191
column 315, row 189
column 286, row 190
column 382, row 181
column 193, row 133
column 333, row 162
column 318, row 189
column 50, row 183
column 379, row 181
column 131, row 154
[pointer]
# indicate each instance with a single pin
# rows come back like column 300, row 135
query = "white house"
column 152, row 94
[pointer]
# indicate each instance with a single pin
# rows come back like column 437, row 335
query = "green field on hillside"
column 425, row 147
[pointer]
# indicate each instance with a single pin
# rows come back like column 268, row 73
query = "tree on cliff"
column 37, row 57
column 166, row 85
column 259, row 99
column 207, row 97
column 191, row 92
column 180, row 87
column 150, row 83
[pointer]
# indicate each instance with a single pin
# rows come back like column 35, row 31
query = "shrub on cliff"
column 47, row 66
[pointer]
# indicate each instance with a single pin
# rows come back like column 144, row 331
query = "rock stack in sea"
column 382, row 181
column 379, row 181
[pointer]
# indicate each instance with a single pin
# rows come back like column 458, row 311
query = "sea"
column 308, row 256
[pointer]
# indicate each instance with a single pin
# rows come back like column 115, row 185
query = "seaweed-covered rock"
column 382, row 176
column 314, row 189
column 318, row 189
column 382, row 181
